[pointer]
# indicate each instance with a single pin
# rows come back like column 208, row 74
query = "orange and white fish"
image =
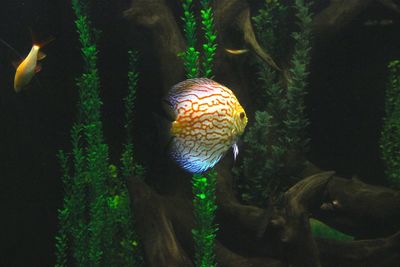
column 207, row 120
column 27, row 68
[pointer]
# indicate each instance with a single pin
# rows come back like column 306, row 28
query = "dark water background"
column 345, row 106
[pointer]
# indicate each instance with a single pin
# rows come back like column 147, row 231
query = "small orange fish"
column 29, row 66
column 207, row 120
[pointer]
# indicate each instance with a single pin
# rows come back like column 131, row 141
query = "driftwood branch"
column 164, row 224
column 154, row 226
column 361, row 253
column 246, row 27
column 158, row 19
column 289, row 224
column 336, row 16
column 353, row 206
column 340, row 13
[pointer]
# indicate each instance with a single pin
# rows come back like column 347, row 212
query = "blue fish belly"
column 195, row 164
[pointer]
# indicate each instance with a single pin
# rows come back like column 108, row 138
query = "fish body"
column 208, row 121
column 27, row 69
column 236, row 51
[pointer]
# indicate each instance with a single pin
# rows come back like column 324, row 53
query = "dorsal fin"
column 187, row 84
column 40, row 43
column 44, row 42
column 38, row 68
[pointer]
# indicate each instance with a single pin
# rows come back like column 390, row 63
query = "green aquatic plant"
column 319, row 229
column 390, row 135
column 95, row 220
column 271, row 30
column 86, row 160
column 277, row 136
column 191, row 55
column 129, row 166
column 128, row 245
column 296, row 121
column 271, row 24
column 96, row 164
column 279, row 131
column 264, row 177
column 203, row 185
column 205, row 230
column 63, row 216
column 258, row 187
column 210, row 36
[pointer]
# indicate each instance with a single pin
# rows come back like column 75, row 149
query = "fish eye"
column 242, row 115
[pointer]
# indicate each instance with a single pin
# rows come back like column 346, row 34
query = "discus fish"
column 207, row 120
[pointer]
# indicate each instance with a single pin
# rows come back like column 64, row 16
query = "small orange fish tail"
column 40, row 43
column 44, row 42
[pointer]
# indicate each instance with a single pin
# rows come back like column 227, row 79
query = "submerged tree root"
column 280, row 236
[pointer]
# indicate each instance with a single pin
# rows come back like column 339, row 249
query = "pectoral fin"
column 235, row 151
column 38, row 68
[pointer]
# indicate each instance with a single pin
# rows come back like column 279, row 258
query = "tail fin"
column 38, row 42
column 44, row 42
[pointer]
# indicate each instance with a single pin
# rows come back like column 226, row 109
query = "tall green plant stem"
column 297, row 121
column 278, row 134
column 128, row 164
column 96, row 226
column 129, row 245
column 210, row 45
column 390, row 135
column 191, row 55
column 205, row 230
column 203, row 185
column 96, row 150
column 90, row 158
